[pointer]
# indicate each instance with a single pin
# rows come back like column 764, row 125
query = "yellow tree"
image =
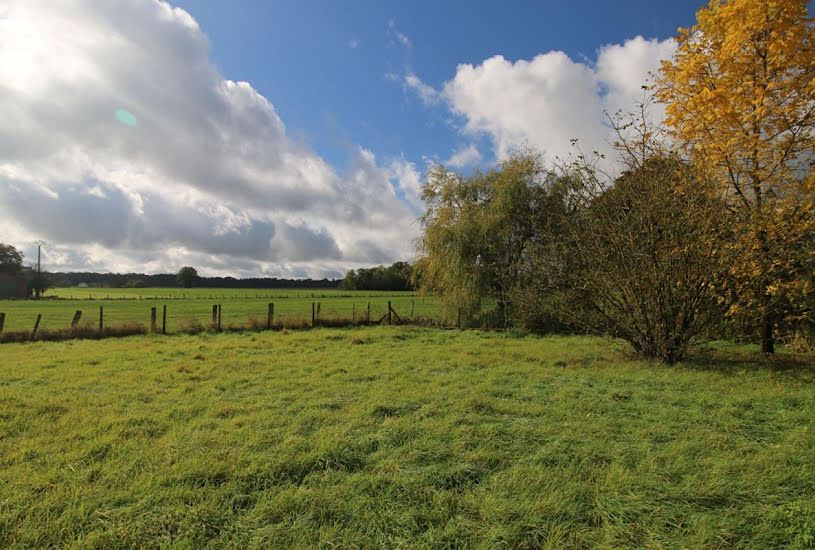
column 740, row 96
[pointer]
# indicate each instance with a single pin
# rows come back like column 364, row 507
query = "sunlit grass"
column 185, row 306
column 388, row 437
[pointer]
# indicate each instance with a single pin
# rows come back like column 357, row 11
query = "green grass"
column 216, row 293
column 186, row 305
column 401, row 437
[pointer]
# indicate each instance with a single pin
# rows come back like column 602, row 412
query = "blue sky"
column 289, row 138
column 299, row 55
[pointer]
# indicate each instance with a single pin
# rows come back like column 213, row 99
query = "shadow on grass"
column 729, row 361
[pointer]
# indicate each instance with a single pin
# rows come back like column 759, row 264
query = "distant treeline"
column 398, row 276
column 139, row 280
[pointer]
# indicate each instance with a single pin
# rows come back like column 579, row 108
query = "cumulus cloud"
column 549, row 100
column 428, row 94
column 465, row 156
column 408, row 181
column 122, row 143
column 622, row 70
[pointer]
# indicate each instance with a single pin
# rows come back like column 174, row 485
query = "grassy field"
column 401, row 437
column 188, row 305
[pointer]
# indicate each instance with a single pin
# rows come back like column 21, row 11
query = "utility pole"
column 39, row 244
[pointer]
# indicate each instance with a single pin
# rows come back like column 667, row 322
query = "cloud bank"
column 549, row 100
column 123, row 146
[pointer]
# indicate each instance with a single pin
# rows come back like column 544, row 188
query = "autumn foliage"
column 740, row 101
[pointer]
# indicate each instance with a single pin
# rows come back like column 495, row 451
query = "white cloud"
column 354, row 43
column 205, row 174
column 624, row 68
column 428, row 94
column 465, row 156
column 408, row 181
column 551, row 99
column 398, row 36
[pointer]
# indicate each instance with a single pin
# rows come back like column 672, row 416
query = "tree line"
column 11, row 263
column 141, row 280
column 397, row 276
column 704, row 228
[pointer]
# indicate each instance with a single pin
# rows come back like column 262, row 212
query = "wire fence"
column 107, row 320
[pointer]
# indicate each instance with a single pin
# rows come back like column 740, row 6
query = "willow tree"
column 476, row 231
column 740, row 95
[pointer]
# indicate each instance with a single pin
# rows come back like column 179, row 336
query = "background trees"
column 398, row 276
column 187, row 276
column 11, row 259
column 740, row 97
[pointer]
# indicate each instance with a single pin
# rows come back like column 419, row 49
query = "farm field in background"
column 401, row 437
column 215, row 293
column 122, row 305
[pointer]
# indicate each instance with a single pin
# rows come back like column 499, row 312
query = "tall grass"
column 401, row 437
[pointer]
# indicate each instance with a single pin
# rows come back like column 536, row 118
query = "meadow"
column 402, row 437
column 186, row 307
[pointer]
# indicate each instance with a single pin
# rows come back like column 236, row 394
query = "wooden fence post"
column 411, row 309
column 214, row 316
column 219, row 317
column 152, row 320
column 164, row 319
column 390, row 316
column 2, row 321
column 76, row 319
column 270, row 318
column 36, row 326
column 313, row 314
column 101, row 320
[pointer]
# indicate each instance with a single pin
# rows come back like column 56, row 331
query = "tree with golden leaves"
column 740, row 97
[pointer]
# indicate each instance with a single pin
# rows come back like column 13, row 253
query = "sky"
column 289, row 138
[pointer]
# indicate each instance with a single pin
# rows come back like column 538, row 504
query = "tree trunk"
column 767, row 341
column 502, row 310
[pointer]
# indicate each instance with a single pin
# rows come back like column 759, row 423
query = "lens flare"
column 126, row 117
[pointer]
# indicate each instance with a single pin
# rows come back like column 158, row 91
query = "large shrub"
column 642, row 256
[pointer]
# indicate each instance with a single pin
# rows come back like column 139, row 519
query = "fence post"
column 214, row 315
column 164, row 319
column 36, row 326
column 390, row 313
column 219, row 317
column 270, row 317
column 152, row 320
column 313, row 314
column 101, row 320
column 2, row 321
column 75, row 320
column 411, row 309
